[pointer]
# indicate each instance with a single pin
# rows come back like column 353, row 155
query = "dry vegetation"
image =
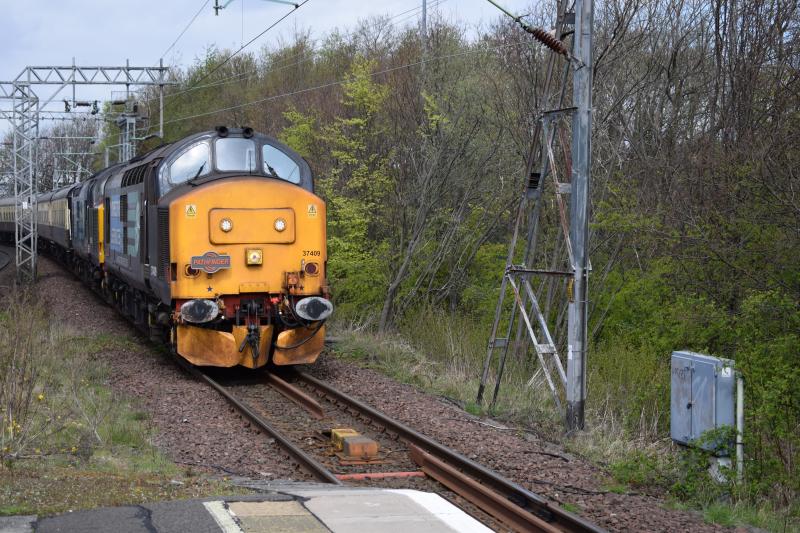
column 67, row 440
column 696, row 220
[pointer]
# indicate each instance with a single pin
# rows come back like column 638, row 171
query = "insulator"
column 548, row 40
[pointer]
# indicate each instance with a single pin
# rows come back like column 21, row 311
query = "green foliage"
column 300, row 132
column 482, row 286
column 571, row 507
column 646, row 319
column 355, row 192
column 694, row 228
column 768, row 331
column 639, row 469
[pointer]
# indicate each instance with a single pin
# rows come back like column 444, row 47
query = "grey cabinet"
column 702, row 395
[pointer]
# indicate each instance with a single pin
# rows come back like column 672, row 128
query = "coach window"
column 280, row 165
column 192, row 163
column 235, row 154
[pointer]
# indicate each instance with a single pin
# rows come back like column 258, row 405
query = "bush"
column 768, row 355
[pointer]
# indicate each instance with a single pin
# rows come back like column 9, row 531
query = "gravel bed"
column 312, row 435
column 532, row 463
column 194, row 426
column 314, row 438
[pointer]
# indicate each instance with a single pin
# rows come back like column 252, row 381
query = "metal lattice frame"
column 567, row 188
column 25, row 122
column 74, row 75
column 25, row 113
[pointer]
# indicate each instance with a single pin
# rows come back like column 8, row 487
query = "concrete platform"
column 293, row 509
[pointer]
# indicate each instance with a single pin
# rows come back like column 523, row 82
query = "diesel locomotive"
column 215, row 244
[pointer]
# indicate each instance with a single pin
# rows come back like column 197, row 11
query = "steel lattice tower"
column 547, row 258
column 25, row 112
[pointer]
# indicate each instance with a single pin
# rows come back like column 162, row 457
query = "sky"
column 103, row 32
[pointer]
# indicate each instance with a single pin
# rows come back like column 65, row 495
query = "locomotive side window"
column 194, row 162
column 280, row 165
column 235, row 154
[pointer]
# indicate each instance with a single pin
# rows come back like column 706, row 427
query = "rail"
column 306, row 461
column 533, row 512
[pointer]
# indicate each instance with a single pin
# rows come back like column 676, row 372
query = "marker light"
column 280, row 224
column 255, row 256
column 226, row 225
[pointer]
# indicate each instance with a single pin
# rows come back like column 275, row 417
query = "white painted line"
column 445, row 511
column 222, row 517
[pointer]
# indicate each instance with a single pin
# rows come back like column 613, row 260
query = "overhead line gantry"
column 24, row 109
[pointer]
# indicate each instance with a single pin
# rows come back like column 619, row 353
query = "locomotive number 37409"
column 313, row 253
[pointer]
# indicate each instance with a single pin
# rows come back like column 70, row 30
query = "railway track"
column 311, row 465
column 505, row 501
column 497, row 496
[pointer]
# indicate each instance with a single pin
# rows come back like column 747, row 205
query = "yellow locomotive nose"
column 260, row 250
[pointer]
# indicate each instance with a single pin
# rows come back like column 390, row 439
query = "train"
column 214, row 244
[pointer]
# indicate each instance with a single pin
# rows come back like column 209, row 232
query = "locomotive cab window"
column 280, row 165
column 193, row 162
column 235, row 154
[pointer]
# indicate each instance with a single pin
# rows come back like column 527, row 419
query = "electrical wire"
column 418, row 10
column 237, row 77
column 341, row 81
column 248, row 43
column 184, row 29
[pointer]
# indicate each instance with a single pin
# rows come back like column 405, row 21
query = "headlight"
column 255, row 256
column 199, row 311
column 280, row 224
column 314, row 308
column 226, row 225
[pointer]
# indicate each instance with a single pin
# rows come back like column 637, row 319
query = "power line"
column 186, row 28
column 341, row 81
column 248, row 43
column 415, row 11
column 237, row 77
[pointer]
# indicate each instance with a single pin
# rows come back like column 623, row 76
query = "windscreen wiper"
column 272, row 173
column 197, row 175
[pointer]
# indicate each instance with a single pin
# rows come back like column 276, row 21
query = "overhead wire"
column 231, row 79
column 341, row 81
column 251, row 41
column 313, row 54
column 178, row 38
column 417, row 10
column 238, row 77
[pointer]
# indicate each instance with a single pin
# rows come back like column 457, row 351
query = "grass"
column 742, row 514
column 49, row 487
column 447, row 360
column 67, row 440
column 626, row 423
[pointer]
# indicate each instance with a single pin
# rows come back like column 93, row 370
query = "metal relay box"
column 703, row 395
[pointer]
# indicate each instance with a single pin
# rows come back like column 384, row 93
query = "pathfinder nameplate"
column 211, row 262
